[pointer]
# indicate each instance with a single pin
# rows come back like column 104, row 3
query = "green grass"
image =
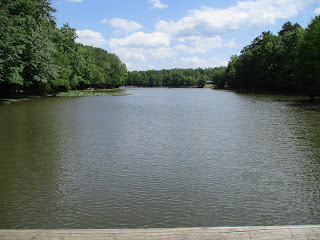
column 76, row 93
column 105, row 92
column 17, row 99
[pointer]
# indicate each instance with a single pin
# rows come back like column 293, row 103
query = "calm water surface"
column 159, row 158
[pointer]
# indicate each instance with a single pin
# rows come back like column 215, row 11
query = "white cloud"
column 203, row 44
column 142, row 54
column 131, row 66
column 162, row 53
column 104, row 21
column 142, row 40
column 137, row 55
column 246, row 14
column 143, row 50
column 187, row 43
column 157, row 4
column 144, row 58
column 123, row 25
column 317, row 11
column 186, row 49
column 89, row 37
column 193, row 62
column 75, row 0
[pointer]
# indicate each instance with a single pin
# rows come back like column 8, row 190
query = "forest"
column 37, row 57
column 177, row 77
column 286, row 62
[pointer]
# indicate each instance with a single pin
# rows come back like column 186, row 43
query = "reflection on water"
column 159, row 158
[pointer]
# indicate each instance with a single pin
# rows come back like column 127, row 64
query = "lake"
column 159, row 158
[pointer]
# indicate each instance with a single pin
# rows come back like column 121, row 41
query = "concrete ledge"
column 273, row 232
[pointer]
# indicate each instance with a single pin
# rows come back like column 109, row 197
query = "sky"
column 167, row 34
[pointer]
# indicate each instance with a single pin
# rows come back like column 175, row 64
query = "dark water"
column 159, row 158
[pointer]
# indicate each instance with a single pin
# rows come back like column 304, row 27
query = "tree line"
column 286, row 62
column 38, row 57
column 176, row 77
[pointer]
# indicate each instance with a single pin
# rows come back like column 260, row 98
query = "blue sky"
column 166, row 34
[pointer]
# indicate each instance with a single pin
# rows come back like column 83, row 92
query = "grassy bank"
column 85, row 93
column 4, row 101
column 75, row 93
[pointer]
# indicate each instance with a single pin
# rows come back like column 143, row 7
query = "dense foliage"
column 36, row 56
column 288, row 61
column 177, row 77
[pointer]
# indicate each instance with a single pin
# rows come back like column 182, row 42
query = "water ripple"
column 159, row 158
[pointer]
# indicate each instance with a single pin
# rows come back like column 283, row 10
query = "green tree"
column 308, row 60
column 40, row 66
column 219, row 77
column 231, row 71
column 134, row 78
column 245, row 70
column 290, row 36
column 202, row 81
column 66, row 58
column 11, row 49
column 266, row 54
column 27, row 64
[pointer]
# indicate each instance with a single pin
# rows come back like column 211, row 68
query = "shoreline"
column 16, row 99
column 10, row 100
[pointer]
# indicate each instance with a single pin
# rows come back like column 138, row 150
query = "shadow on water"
column 307, row 104
column 302, row 102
